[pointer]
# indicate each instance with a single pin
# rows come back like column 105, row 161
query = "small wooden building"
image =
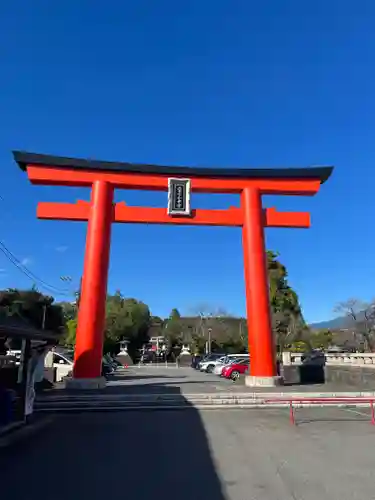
column 20, row 346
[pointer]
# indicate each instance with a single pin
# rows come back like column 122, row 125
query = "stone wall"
column 303, row 374
column 356, row 377
column 352, row 376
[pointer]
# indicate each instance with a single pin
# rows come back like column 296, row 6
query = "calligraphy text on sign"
column 179, row 197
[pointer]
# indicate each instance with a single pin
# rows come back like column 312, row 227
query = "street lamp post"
column 44, row 316
column 209, row 331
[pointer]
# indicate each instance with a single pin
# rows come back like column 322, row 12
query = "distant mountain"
column 341, row 322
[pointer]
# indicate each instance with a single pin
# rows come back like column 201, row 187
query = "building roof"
column 312, row 173
column 14, row 326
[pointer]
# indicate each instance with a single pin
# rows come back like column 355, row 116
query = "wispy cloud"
column 26, row 261
column 61, row 249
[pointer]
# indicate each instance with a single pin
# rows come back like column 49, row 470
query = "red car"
column 233, row 371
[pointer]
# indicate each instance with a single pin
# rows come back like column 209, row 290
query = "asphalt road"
column 224, row 454
column 187, row 454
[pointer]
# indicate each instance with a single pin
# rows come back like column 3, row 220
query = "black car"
column 314, row 357
column 148, row 357
column 107, row 369
column 195, row 360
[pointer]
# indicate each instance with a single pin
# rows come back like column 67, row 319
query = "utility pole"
column 78, row 294
column 44, row 316
column 203, row 324
column 209, row 331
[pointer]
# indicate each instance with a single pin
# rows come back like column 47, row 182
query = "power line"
column 21, row 267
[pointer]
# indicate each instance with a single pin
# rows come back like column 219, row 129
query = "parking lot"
column 148, row 377
column 151, row 378
column 221, row 454
column 226, row 454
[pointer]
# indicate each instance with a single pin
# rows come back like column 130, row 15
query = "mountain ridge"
column 339, row 322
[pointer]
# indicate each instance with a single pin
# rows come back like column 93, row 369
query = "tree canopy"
column 360, row 323
column 287, row 319
column 38, row 310
column 126, row 319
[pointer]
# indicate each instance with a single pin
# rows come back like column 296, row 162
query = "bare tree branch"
column 361, row 316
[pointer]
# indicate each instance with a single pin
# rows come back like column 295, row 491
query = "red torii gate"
column 101, row 212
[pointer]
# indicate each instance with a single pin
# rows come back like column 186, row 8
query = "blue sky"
column 213, row 83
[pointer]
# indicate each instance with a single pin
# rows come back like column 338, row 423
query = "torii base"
column 251, row 381
column 85, row 384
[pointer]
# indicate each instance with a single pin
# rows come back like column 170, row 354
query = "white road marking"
column 356, row 411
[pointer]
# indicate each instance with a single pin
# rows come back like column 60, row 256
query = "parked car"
column 234, row 370
column 63, row 363
column 223, row 360
column 218, row 370
column 195, row 360
column 209, row 357
column 314, row 357
column 208, row 364
column 227, row 360
column 148, row 357
column 107, row 358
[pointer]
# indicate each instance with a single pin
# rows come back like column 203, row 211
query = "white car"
column 63, row 362
column 219, row 367
column 208, row 366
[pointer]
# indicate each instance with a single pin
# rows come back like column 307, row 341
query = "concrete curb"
column 253, row 396
column 132, row 402
column 197, row 403
column 197, row 407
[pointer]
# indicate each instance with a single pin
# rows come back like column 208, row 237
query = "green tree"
column 174, row 328
column 126, row 318
column 226, row 332
column 287, row 319
column 36, row 309
column 71, row 331
column 69, row 310
column 320, row 339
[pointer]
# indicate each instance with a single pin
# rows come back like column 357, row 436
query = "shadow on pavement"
column 132, row 454
column 116, row 378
